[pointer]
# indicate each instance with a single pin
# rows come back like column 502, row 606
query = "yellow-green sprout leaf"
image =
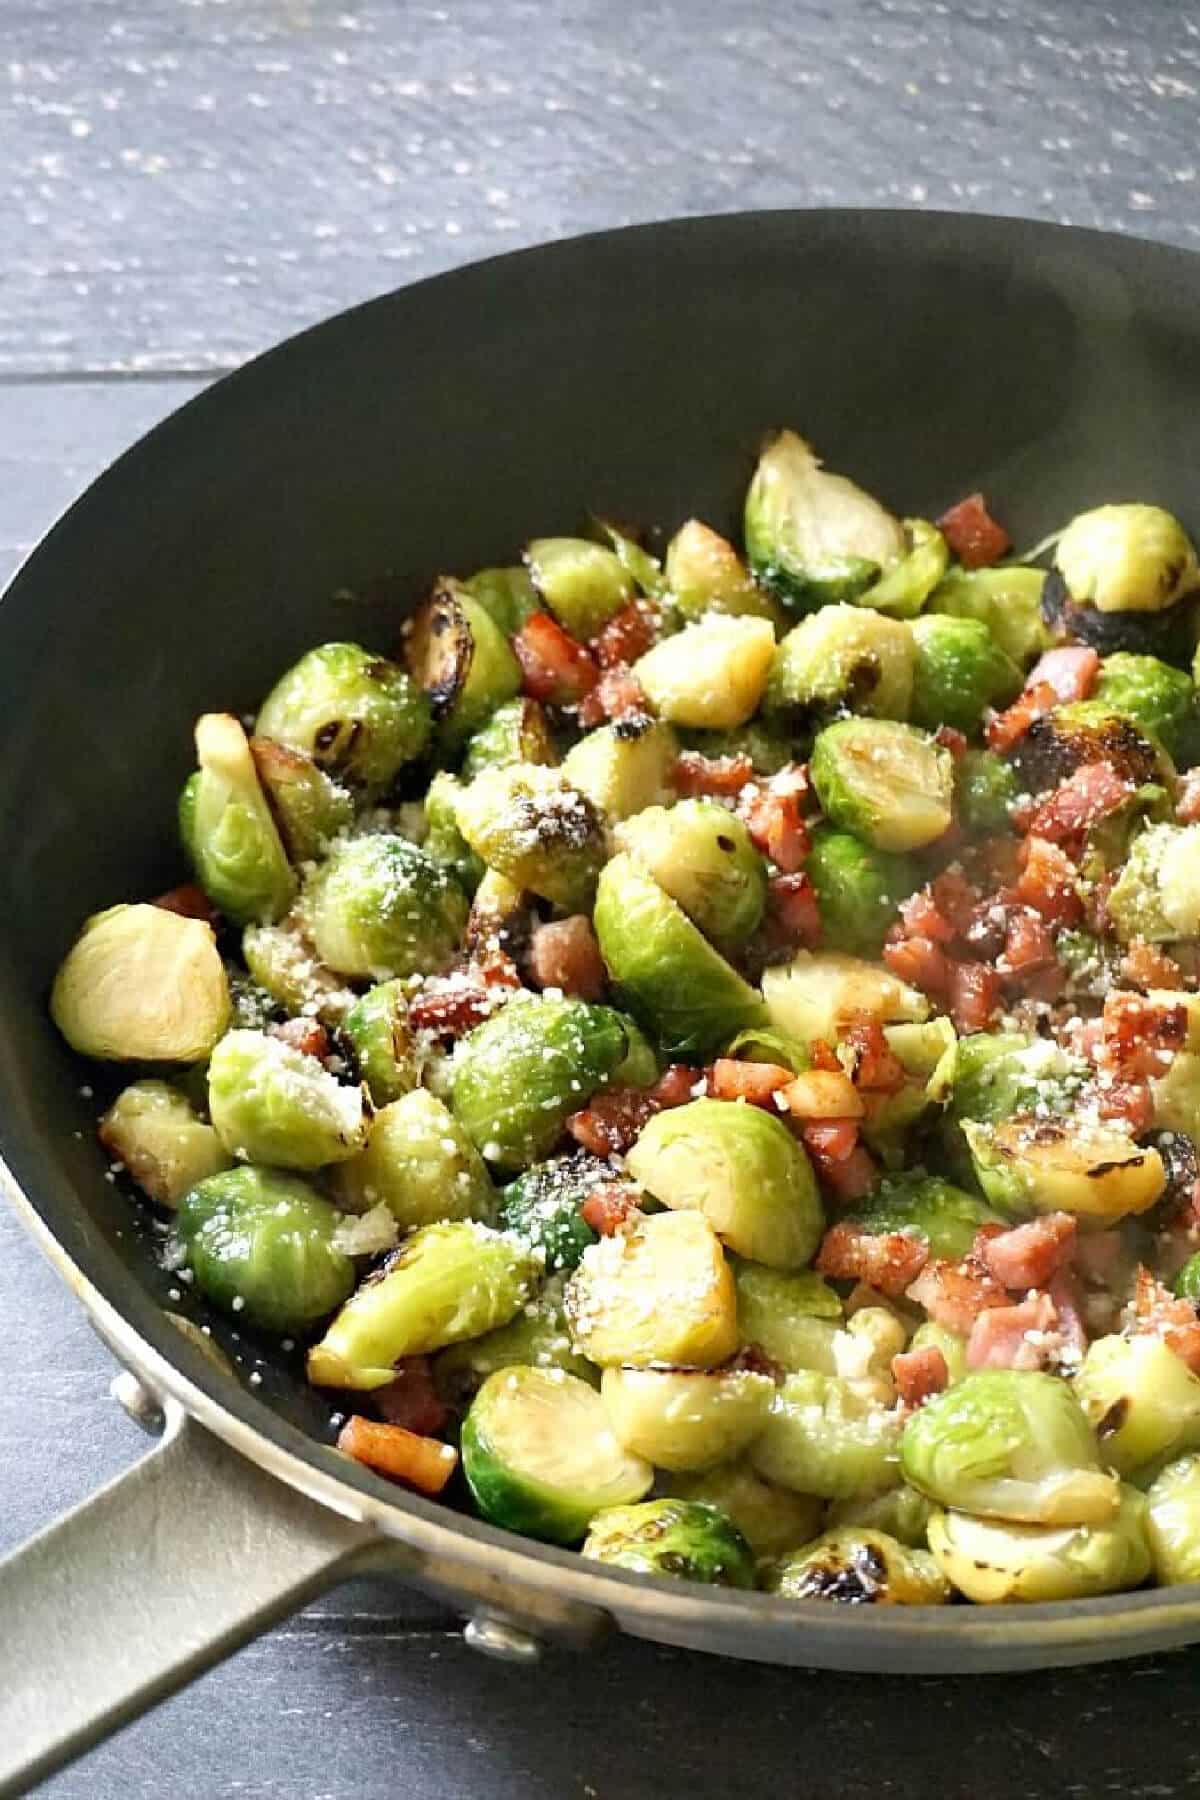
column 141, row 984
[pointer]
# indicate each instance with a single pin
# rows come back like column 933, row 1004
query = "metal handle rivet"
column 496, row 1637
column 138, row 1402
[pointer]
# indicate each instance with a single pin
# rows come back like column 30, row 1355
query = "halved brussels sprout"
column 272, row 1104
column 443, row 839
column 538, row 1338
column 141, row 984
column 1126, row 558
column 812, row 536
column 446, row 1283
column 582, row 583
column 285, row 966
column 533, row 826
column 642, row 568
column 858, row 889
column 540, row 1457
column 382, row 907
column 820, row 995
column 771, row 1519
column 420, row 1164
column 460, row 658
column 856, row 1565
column 992, row 1561
column 1142, row 1399
column 711, row 675
column 932, row 1336
column 843, row 658
column 657, row 1292
column 705, row 574
column 901, row 1512
column 376, row 1028
column 1030, row 1164
column 686, row 1418
column 517, row 732
column 682, row 1538
column 792, row 1316
column 903, row 591
column 1173, row 1522
column 519, row 1075
column 228, row 831
column 960, row 671
column 1157, row 894
column 507, row 595
column 1007, row 600
column 925, row 1206
column 928, row 1052
column 1160, row 699
column 885, row 782
column 824, row 1436
column 701, row 855
column 625, row 766
column 998, row 1074
column 164, row 1143
column 667, row 973
column 985, row 788
column 543, row 1207
column 261, row 1245
column 355, row 714
column 310, row 808
column 1009, row 1444
column 742, row 1168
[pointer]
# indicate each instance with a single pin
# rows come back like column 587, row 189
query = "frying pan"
column 312, row 496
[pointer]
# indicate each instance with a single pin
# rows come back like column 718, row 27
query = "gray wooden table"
column 181, row 183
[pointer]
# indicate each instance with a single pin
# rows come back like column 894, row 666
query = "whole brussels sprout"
column 901, row 1512
column 925, row 1206
column 903, row 591
column 677, row 986
column 582, row 583
column 141, row 984
column 540, row 1457
column 825, row 1436
column 376, row 1029
column 1126, row 558
column 659, row 1292
column 357, row 715
column 791, row 1315
column 261, row 1245
column 1157, row 894
column 272, row 1104
column 284, row 965
column 517, row 732
column 1009, row 1444
column 887, row 783
column 711, row 675
column 856, row 1565
column 841, row 658
column 507, row 595
column 705, row 574
column 701, row 855
column 543, row 1207
column 960, row 670
column 310, row 808
column 819, row 995
column 519, row 1075
column 985, row 788
column 443, row 839
column 382, row 907
column 682, row 1538
column 624, row 767
column 227, row 828
column 537, row 1338
column 420, row 1164
column 156, row 1132
column 858, row 889
column 1142, row 1399
column 1031, row 1164
column 1173, row 1522
column 994, row 1560
column 686, row 1418
column 533, row 826
column 811, row 536
column 742, row 1168
column 1160, row 699
column 1007, row 600
column 460, row 659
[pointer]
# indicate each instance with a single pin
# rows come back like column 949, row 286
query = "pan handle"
column 186, row 1556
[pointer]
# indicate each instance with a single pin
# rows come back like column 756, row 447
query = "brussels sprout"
column 658, row 1292
column 711, row 675
column 1160, row 699
column 742, row 1168
column 507, row 595
column 642, row 568
column 460, row 659
column 272, row 1104
column 760, row 1044
column 791, row 1316
column 819, row 996
column 382, row 907
column 932, row 1336
column 901, row 1512
column 376, row 1028
column 228, row 831
column 903, row 591
column 443, row 840
column 992, row 1560
column 625, row 766
column 811, row 536
column 355, row 714
column 500, row 916
column 1173, row 1522
column 582, row 583
column 1126, row 558
column 543, row 1207
column 682, row 1538
column 705, row 574
column 887, row 783
column 960, row 670
column 1030, row 1164
column 667, row 973
column 156, row 1132
column 985, row 787
column 141, row 984
column 855, row 1565
column 1157, row 894
column 1006, row 600
column 533, row 826
column 261, row 1245
column 686, row 1418
column 310, row 808
column 1187, row 1280
column 824, row 1436
column 769, row 751
column 998, row 1074
column 858, row 889
column 517, row 732
column 1009, row 1444
column 925, row 1206
column 285, row 966
column 1087, row 731
column 446, row 1283
column 844, row 658
column 639, row 1067
column 420, row 1164
column 1142, row 1399
column 1176, row 1094
column 538, row 1337
column 701, row 855
column 928, row 1052
column 519, row 1075
column 769, row 1518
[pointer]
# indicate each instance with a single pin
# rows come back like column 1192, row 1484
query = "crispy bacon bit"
column 1071, row 670
column 774, row 819
column 610, row 1122
column 831, row 1140
column 921, row 917
column 1086, row 797
column 956, row 898
column 972, row 533
column 889, row 1261
column 1148, row 966
column 420, row 1462
column 1028, row 944
column 1187, row 807
column 564, row 954
column 823, row 1056
column 919, row 1375
column 873, row 1065
column 974, row 995
column 847, row 1170
column 1073, row 1338
column 1154, row 1310
column 732, row 1079
column 1009, row 1337
column 190, row 902
column 1141, row 1036
column 1128, row 1103
column 555, row 667
column 628, row 635
column 921, row 963
column 608, row 1208
column 451, row 1005
column 823, row 1094
column 793, row 915
column 955, row 1293
column 1029, row 1256
column 308, row 1036
column 674, row 1086
column 722, row 777
column 1049, row 882
column 953, row 741
column 616, row 695
column 1008, row 728
column 410, row 1399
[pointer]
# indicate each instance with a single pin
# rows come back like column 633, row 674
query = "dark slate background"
column 181, row 183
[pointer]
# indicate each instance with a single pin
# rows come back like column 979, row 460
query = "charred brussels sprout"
column 681, row 1538
column 824, row 1436
column 711, row 675
column 854, row 1565
column 704, row 574
column 1173, row 1522
column 1033, row 1164
column 742, row 1168
column 843, row 658
column 461, row 660
column 818, row 996
column 925, row 1206
column 376, row 1028
column 543, row 1207
column 537, row 1338
column 1142, row 1400
column 1126, row 558
column 985, row 787
column 624, row 767
column 228, row 831
column 156, row 1132
column 858, row 889
column 812, row 536
column 261, row 1245
column 903, row 591
column 517, row 732
column 659, row 1292
column 507, row 595
column 1088, row 731
column 520, row 1074
column 771, row 1519
column 272, row 1104
column 1008, row 601
column 885, row 782
column 790, row 1315
column 530, row 824
column 310, row 808
column 582, row 583
column 420, row 1164
column 141, row 984
column 701, row 855
column 1160, row 699
column 357, row 715
column 686, row 1418
column 960, row 671
column 993, row 1561
column 1157, row 895
column 1009, row 1444
column 382, row 907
